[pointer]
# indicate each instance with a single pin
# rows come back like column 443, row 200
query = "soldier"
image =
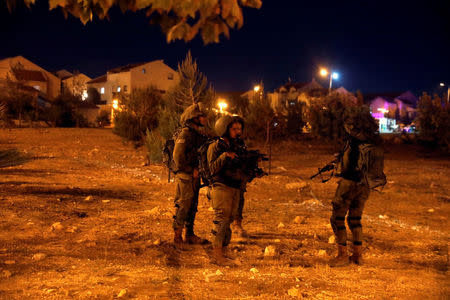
column 186, row 173
column 227, row 178
column 354, row 187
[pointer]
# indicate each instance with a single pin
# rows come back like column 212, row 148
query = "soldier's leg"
column 193, row 208
column 183, row 201
column 340, row 206
column 238, row 229
column 354, row 222
column 340, row 203
column 221, row 201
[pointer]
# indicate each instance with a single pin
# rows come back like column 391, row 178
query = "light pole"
column 333, row 75
column 448, row 91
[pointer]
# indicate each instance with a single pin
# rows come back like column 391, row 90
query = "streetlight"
column 333, row 75
column 222, row 104
column 448, row 91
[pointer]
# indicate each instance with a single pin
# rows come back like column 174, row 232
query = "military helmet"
column 192, row 112
column 224, row 122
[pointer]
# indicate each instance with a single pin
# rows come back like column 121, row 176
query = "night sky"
column 376, row 46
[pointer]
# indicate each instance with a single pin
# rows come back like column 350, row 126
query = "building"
column 26, row 73
column 133, row 76
column 391, row 109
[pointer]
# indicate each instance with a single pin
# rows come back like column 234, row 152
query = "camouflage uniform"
column 350, row 196
column 186, row 160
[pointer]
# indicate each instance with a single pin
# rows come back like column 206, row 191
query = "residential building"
column 26, row 73
column 133, row 76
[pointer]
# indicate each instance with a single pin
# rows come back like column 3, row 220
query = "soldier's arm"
column 179, row 153
column 216, row 160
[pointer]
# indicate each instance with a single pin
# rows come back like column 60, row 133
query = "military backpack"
column 371, row 165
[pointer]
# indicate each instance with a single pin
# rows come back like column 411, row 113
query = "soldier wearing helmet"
column 227, row 179
column 352, row 193
column 187, row 178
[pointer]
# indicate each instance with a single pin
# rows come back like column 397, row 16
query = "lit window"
column 118, row 88
column 102, row 90
column 84, row 95
column 37, row 87
column 125, row 88
column 170, row 76
column 143, row 71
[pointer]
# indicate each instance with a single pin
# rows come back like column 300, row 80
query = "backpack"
column 371, row 165
column 203, row 166
column 167, row 151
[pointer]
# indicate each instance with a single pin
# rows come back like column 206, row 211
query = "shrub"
column 103, row 119
column 154, row 145
column 433, row 121
column 139, row 112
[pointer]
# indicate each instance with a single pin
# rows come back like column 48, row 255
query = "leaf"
column 55, row 3
column 226, row 7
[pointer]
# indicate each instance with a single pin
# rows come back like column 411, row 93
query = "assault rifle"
column 249, row 160
column 331, row 166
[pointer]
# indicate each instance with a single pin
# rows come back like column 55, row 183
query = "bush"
column 139, row 112
column 258, row 116
column 168, row 122
column 103, row 119
column 154, row 145
column 433, row 121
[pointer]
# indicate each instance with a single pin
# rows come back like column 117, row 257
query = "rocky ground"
column 85, row 219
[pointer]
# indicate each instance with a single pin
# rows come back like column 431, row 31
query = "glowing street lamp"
column 115, row 104
column 333, row 75
column 257, row 88
column 222, row 104
column 448, row 91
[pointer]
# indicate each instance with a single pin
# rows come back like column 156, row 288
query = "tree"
column 192, row 88
column 178, row 19
column 93, row 95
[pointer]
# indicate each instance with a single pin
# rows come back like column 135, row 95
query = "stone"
column 157, row 242
column 430, row 210
column 88, row 198
column 281, row 225
column 57, row 226
column 106, row 201
column 295, row 185
column 322, row 252
column 270, row 251
column 331, row 239
column 299, row 220
column 154, row 211
column 122, row 293
column 293, row 292
column 383, row 217
column 254, row 270
column 39, row 256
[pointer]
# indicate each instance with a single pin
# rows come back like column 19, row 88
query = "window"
column 102, row 90
column 125, row 88
column 170, row 76
column 143, row 71
column 118, row 89
column 37, row 87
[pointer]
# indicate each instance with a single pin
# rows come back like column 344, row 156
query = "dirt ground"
column 84, row 219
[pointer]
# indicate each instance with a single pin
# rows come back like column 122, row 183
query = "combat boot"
column 192, row 238
column 341, row 259
column 227, row 253
column 178, row 236
column 356, row 257
column 240, row 232
column 219, row 258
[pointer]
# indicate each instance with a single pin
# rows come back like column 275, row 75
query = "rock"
column 157, row 242
column 39, row 256
column 311, row 202
column 10, row 262
column 299, row 220
column 88, row 198
column 430, row 210
column 281, row 225
column 383, row 217
column 277, row 241
column 218, row 272
column 122, row 293
column 6, row 274
column 106, row 201
column 281, row 169
column 331, row 239
column 295, row 185
column 322, row 252
column 293, row 292
column 254, row 270
column 57, row 226
column 72, row 229
column 213, row 276
column 154, row 211
column 270, row 251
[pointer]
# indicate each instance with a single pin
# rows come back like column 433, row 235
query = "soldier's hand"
column 231, row 155
column 195, row 173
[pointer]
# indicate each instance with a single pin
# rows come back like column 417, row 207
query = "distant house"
column 26, row 73
column 392, row 108
column 291, row 92
column 76, row 83
column 133, row 76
